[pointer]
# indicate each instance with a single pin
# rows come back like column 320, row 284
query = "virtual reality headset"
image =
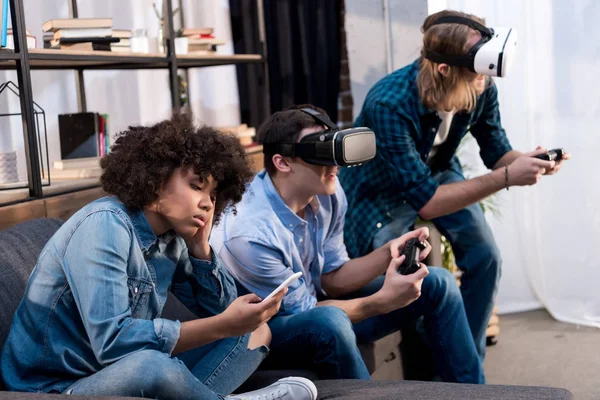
column 345, row 148
column 492, row 55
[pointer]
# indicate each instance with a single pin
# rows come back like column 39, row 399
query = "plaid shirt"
column 405, row 131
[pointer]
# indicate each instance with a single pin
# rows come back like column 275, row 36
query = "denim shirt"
column 96, row 295
column 266, row 242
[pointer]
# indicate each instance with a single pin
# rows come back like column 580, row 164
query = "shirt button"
column 300, row 240
column 433, row 129
column 291, row 225
column 468, row 127
column 379, row 225
column 135, row 290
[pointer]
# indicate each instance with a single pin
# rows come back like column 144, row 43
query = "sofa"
column 20, row 245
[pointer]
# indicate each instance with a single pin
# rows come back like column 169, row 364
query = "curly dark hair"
column 143, row 159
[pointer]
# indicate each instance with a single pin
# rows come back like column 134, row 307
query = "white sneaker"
column 291, row 388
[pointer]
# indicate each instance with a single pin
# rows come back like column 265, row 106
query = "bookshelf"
column 25, row 60
column 57, row 59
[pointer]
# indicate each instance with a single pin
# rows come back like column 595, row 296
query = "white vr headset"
column 492, row 55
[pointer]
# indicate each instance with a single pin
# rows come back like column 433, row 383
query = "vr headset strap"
column 323, row 119
column 449, row 19
column 456, row 61
column 466, row 61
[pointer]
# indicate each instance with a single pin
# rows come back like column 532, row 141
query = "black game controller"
column 552, row 155
column 412, row 251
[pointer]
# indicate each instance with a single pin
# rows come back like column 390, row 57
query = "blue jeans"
column 475, row 251
column 324, row 340
column 207, row 372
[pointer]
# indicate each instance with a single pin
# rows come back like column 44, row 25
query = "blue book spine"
column 4, row 29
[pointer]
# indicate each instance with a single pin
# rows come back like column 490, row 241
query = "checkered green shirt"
column 405, row 131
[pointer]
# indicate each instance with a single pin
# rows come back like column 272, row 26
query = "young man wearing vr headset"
column 419, row 114
column 292, row 220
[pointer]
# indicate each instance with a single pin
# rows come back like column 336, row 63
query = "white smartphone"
column 285, row 284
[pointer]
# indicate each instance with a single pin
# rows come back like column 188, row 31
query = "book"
column 121, row 33
column 77, row 163
column 4, row 23
column 76, row 173
column 87, row 46
column 98, row 40
column 75, row 23
column 83, row 44
column 82, row 33
column 206, row 41
column 101, row 136
column 106, row 133
column 200, row 47
column 78, row 135
column 197, row 31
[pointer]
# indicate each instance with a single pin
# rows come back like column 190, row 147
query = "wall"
column 373, row 49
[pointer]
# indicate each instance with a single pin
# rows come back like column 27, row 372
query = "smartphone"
column 285, row 284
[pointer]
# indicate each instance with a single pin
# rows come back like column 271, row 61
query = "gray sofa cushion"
column 415, row 390
column 20, row 247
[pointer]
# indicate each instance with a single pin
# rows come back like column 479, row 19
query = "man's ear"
column 281, row 163
column 443, row 69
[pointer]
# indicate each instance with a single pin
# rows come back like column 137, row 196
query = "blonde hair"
column 454, row 91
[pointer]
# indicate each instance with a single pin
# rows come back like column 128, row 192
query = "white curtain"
column 130, row 97
column 548, row 233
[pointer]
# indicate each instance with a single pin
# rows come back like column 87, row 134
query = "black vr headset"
column 492, row 55
column 345, row 148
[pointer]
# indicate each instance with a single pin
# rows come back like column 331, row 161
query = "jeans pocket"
column 139, row 292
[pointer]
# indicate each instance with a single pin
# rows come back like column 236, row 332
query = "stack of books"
column 81, row 34
column 244, row 133
column 124, row 44
column 201, row 40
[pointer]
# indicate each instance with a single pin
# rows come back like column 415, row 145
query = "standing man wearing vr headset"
column 292, row 220
column 419, row 115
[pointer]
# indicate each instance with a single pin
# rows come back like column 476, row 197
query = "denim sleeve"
column 395, row 145
column 205, row 287
column 488, row 130
column 334, row 249
column 260, row 269
column 95, row 265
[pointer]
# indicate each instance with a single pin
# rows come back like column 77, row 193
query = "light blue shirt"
column 97, row 293
column 266, row 242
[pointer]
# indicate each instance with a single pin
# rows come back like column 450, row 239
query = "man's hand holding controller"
column 556, row 155
column 400, row 290
column 529, row 168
